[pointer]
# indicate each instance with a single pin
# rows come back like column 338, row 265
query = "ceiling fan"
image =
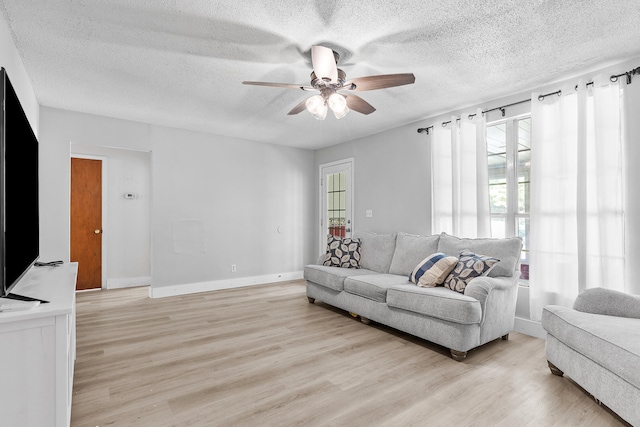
column 332, row 88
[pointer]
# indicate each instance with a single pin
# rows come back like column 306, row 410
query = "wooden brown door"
column 86, row 221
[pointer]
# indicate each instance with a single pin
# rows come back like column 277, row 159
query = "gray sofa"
column 597, row 344
column 381, row 291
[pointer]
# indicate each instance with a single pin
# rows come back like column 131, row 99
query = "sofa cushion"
column 612, row 342
column 506, row 250
column 433, row 270
column 342, row 252
column 373, row 286
column 376, row 250
column 469, row 267
column 410, row 250
column 438, row 302
column 331, row 277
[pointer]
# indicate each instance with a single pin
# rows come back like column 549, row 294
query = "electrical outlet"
column 368, row 213
column 233, row 268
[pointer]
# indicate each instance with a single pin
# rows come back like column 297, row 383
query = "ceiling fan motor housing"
column 324, row 82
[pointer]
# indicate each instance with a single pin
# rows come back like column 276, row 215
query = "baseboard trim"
column 128, row 282
column 216, row 285
column 529, row 327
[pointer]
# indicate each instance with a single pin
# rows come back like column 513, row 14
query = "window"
column 336, row 204
column 509, row 150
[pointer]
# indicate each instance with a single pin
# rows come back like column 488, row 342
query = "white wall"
column 58, row 129
column 238, row 192
column 127, row 226
column 222, row 201
column 391, row 178
column 10, row 60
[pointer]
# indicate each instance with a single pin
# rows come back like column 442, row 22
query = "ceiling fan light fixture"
column 317, row 106
column 338, row 105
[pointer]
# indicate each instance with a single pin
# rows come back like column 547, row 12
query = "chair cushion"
column 331, row 277
column 373, row 286
column 376, row 250
column 506, row 250
column 410, row 250
column 438, row 302
column 612, row 342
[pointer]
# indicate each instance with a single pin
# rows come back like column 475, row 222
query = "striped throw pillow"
column 432, row 270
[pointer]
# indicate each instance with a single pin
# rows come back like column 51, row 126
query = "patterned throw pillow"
column 469, row 266
column 432, row 270
column 342, row 252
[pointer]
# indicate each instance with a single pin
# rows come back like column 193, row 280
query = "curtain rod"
column 613, row 78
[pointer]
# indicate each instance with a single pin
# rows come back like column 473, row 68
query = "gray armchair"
column 597, row 344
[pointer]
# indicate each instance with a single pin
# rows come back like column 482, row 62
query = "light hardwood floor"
column 263, row 356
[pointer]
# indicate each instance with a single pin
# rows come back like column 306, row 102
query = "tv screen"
column 19, row 212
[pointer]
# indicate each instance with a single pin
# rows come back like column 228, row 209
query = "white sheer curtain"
column 577, row 194
column 631, row 140
column 460, row 181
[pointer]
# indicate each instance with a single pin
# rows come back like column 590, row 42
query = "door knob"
column 96, row 231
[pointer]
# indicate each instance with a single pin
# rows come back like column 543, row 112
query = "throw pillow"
column 432, row 270
column 469, row 266
column 342, row 252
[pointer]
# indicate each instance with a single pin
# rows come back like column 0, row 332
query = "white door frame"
column 347, row 165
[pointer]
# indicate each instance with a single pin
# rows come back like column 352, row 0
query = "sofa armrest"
column 608, row 302
column 497, row 296
column 480, row 288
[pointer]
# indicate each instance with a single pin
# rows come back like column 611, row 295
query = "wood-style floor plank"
column 264, row 356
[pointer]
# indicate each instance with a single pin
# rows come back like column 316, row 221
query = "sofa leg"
column 554, row 369
column 365, row 320
column 311, row 300
column 458, row 356
column 505, row 337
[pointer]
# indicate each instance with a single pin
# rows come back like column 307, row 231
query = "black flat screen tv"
column 19, row 209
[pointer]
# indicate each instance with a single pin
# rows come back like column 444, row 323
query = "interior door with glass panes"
column 336, row 192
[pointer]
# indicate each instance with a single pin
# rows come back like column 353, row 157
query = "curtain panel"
column 579, row 193
column 460, row 178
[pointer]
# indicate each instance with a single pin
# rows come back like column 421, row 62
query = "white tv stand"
column 38, row 350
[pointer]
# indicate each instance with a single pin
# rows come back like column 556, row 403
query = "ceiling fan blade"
column 358, row 104
column 324, row 63
column 282, row 85
column 379, row 82
column 298, row 108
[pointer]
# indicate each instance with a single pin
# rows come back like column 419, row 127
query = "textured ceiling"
column 180, row 63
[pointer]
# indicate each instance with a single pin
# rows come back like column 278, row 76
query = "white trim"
column 128, row 282
column 216, row 285
column 104, row 161
column 529, row 327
